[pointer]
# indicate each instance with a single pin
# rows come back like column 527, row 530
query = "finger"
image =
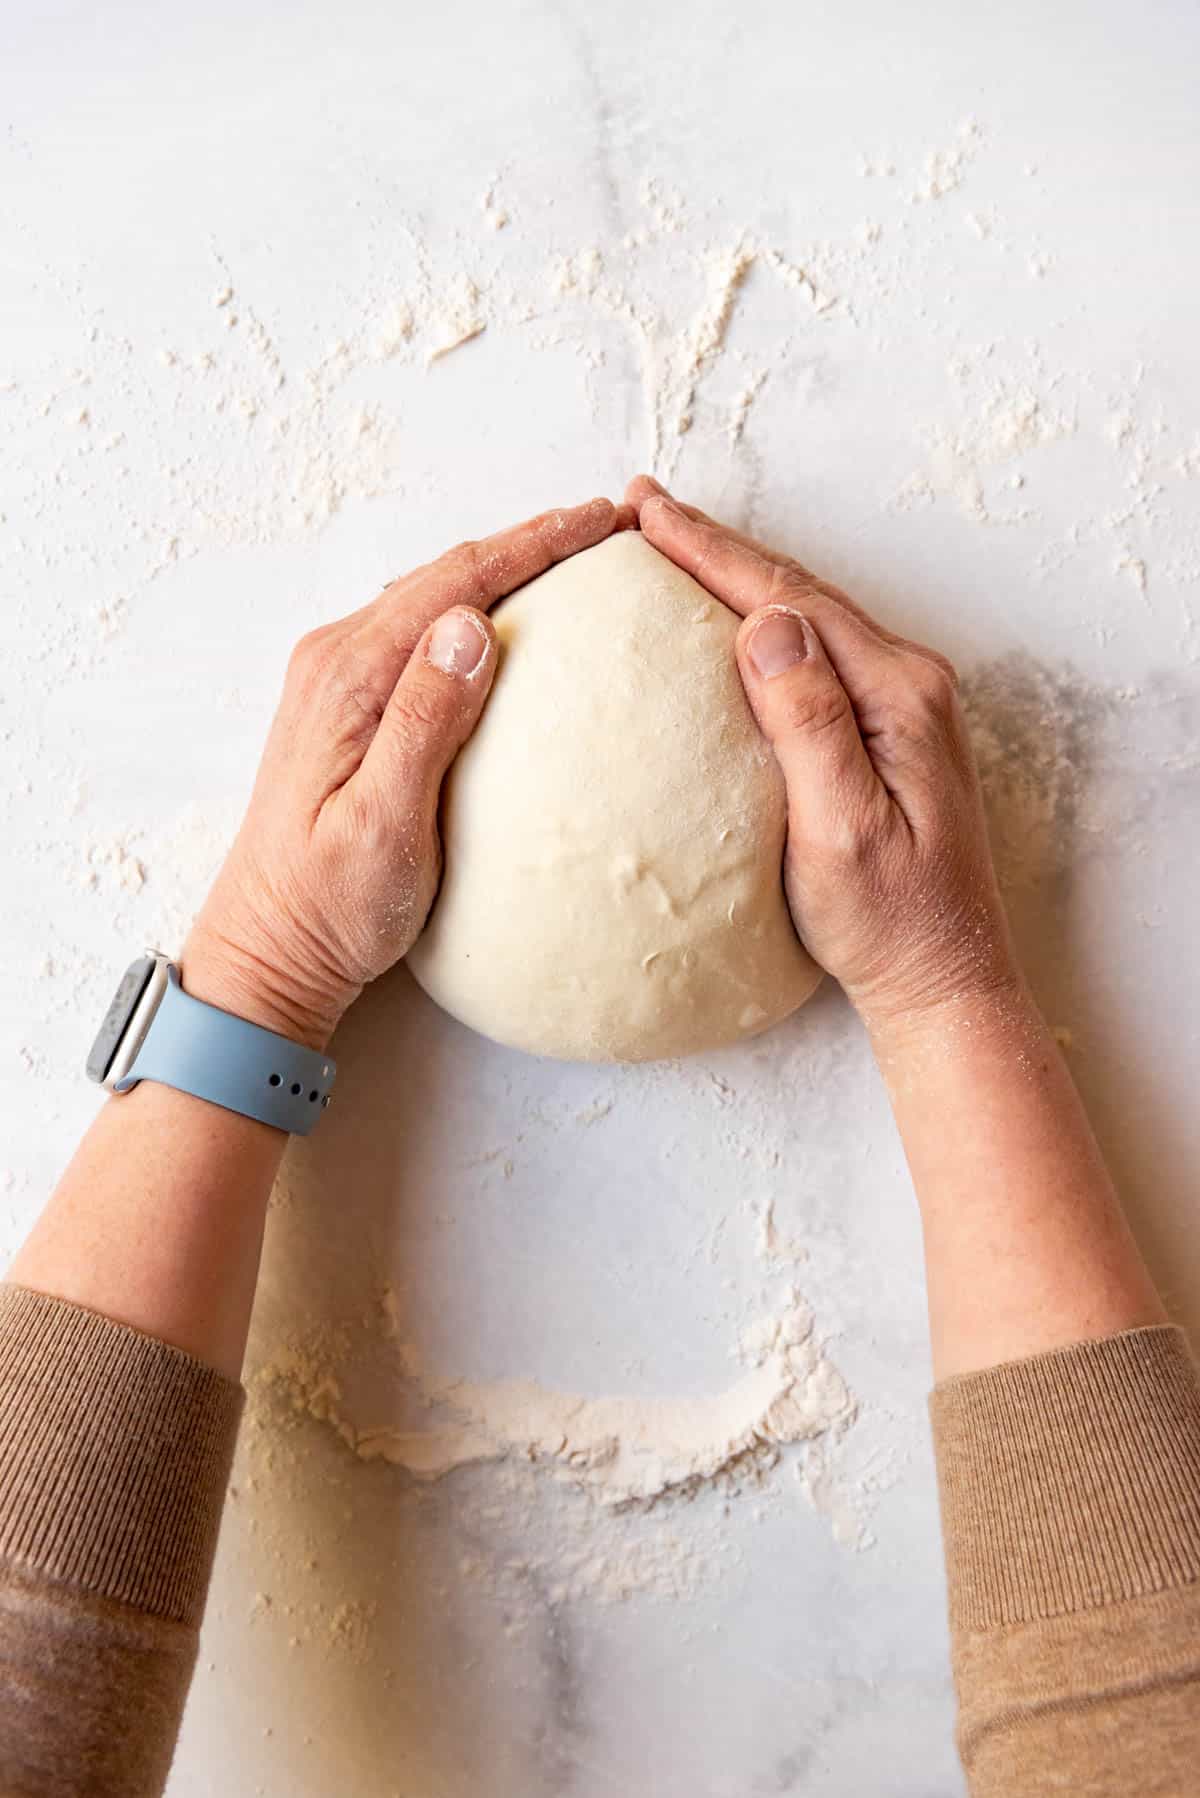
column 747, row 581
column 644, row 489
column 737, row 571
column 476, row 574
column 740, row 571
column 472, row 573
column 434, row 708
column 808, row 718
column 917, row 737
column 343, row 675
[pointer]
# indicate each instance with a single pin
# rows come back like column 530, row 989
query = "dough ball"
column 614, row 829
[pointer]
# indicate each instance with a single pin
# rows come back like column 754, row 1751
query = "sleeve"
column 115, row 1452
column 1070, row 1496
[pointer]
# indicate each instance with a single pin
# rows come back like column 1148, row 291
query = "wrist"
column 227, row 974
column 999, row 1005
column 959, row 966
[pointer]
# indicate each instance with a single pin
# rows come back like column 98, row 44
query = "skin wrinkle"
column 379, row 724
column 896, row 807
column 795, row 571
column 158, row 1224
column 495, row 567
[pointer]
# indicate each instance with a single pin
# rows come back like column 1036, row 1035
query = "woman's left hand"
column 336, row 865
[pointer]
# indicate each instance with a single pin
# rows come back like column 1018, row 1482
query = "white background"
column 214, row 432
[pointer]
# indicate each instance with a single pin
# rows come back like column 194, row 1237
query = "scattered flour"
column 1036, row 733
column 1003, row 419
column 702, row 344
column 621, row 1451
column 944, row 170
column 457, row 318
column 281, row 438
column 495, row 213
column 286, row 420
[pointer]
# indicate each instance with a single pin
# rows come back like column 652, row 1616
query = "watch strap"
column 213, row 1055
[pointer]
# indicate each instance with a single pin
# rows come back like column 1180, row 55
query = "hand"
column 337, row 862
column 887, row 867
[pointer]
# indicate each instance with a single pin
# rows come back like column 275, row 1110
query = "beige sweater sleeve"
column 1070, row 1492
column 114, row 1457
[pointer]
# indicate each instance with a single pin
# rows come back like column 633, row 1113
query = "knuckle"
column 838, row 595
column 370, row 826
column 931, row 685
column 934, row 678
column 316, row 657
column 327, row 678
column 946, row 665
column 854, row 836
column 464, row 571
column 811, row 708
column 789, row 584
column 416, row 715
column 711, row 549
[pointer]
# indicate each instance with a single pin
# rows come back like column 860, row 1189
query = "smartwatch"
column 153, row 1030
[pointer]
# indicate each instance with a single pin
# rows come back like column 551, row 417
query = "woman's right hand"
column 887, row 867
column 335, row 867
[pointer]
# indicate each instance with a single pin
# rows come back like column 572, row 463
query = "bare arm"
column 1067, row 1418
column 891, row 883
column 1026, row 1247
column 158, row 1220
column 123, row 1321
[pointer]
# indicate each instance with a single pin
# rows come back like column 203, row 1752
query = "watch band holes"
column 275, row 1080
column 313, row 1096
column 297, row 1089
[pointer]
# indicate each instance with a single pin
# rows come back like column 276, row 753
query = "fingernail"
column 777, row 644
column 666, row 504
column 457, row 643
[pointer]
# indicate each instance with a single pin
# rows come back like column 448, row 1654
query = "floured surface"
column 914, row 315
column 621, row 1450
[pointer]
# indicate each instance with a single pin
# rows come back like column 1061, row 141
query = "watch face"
column 116, row 1018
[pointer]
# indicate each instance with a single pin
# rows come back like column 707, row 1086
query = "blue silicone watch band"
column 213, row 1055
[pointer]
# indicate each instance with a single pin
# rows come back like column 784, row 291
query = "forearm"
column 1026, row 1247
column 1067, row 1433
column 1068, row 1445
column 116, row 1445
column 158, row 1220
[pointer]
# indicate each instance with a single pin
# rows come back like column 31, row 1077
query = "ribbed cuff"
column 1071, row 1480
column 115, row 1452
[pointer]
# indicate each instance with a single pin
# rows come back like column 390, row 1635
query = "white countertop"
column 294, row 298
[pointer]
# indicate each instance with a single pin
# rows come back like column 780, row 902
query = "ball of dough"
column 614, row 829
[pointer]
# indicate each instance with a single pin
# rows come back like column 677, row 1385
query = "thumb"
column 806, row 715
column 433, row 708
